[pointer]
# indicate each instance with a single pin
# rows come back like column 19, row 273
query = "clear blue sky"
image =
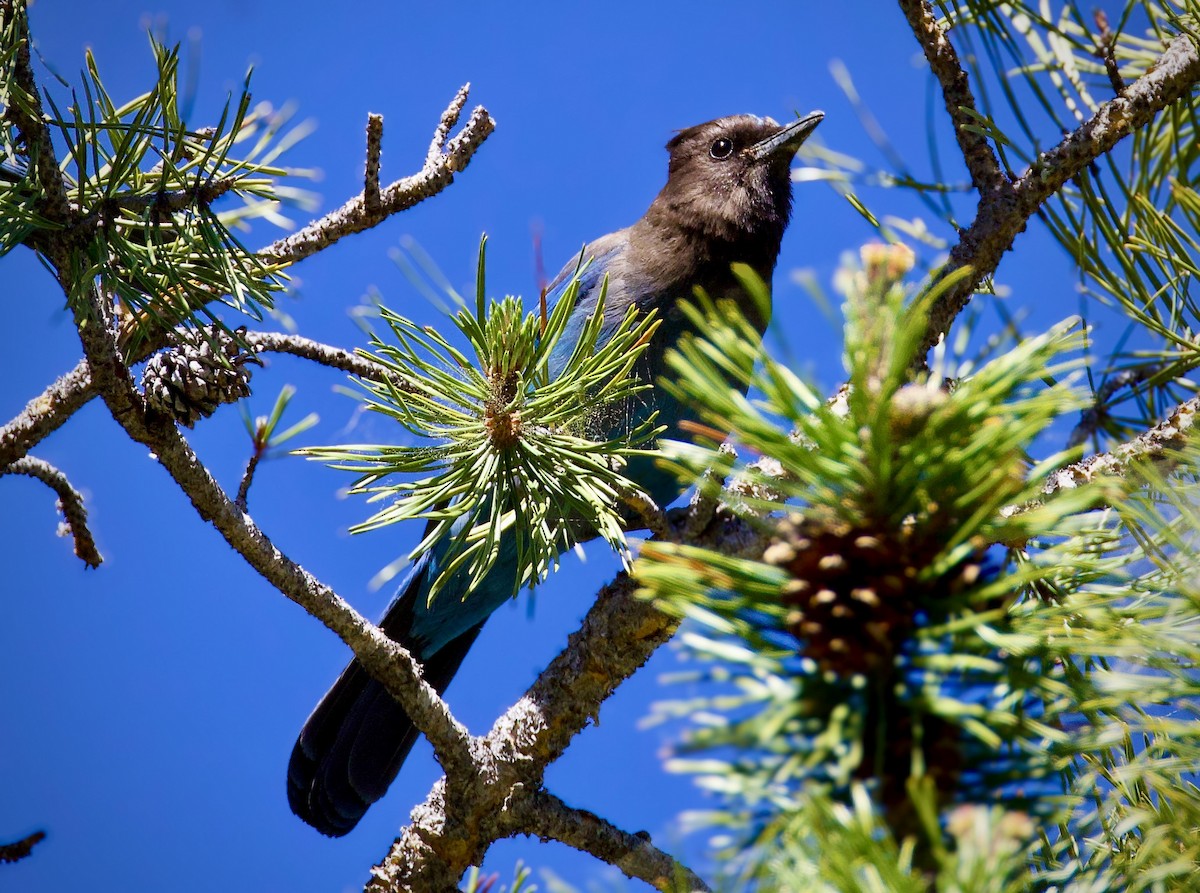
column 150, row 706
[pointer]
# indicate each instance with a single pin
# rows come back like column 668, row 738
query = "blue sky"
column 150, row 706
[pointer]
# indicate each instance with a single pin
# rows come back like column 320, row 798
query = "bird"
column 727, row 200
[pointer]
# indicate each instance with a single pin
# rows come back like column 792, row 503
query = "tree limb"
column 549, row 818
column 46, row 413
column 462, row 817
column 385, row 660
column 1004, row 210
column 70, row 503
column 447, row 157
column 984, row 166
column 1170, row 435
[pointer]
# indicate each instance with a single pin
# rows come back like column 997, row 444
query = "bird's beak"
column 788, row 138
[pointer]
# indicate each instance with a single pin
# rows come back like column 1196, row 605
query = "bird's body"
column 727, row 200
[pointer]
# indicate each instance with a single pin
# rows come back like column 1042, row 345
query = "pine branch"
column 46, row 413
column 1004, row 211
column 447, row 157
column 386, row 661
column 70, row 503
column 164, row 202
column 30, row 120
column 986, row 175
column 549, row 818
column 51, row 409
column 461, row 817
column 1157, row 445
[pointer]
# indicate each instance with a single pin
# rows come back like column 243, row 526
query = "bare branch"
column 453, row 156
column 18, row 850
column 441, row 134
column 371, row 178
column 386, row 661
column 1156, row 445
column 243, row 493
column 306, row 348
column 46, row 413
column 549, row 818
column 984, row 166
column 70, row 503
column 1005, row 213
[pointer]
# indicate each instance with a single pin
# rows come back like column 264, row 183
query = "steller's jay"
column 727, row 199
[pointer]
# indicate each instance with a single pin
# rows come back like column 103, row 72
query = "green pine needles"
column 152, row 201
column 876, row 642
column 511, row 456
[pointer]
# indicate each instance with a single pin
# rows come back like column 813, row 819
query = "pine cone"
column 855, row 593
column 190, row 381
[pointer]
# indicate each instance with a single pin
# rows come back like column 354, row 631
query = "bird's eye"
column 722, row 148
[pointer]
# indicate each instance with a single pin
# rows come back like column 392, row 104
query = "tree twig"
column 1093, row 417
column 981, row 160
column 646, row 511
column 70, row 503
column 452, row 155
column 318, row 352
column 371, row 196
column 46, row 413
column 547, row 817
column 20, row 849
column 243, row 493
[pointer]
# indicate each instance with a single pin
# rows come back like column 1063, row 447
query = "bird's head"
column 731, row 176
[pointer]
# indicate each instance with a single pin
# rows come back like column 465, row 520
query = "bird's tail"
column 353, row 744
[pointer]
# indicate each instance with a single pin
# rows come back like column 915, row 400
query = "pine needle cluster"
column 911, row 634
column 152, row 202
column 507, row 455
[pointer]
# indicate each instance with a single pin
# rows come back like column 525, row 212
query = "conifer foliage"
column 941, row 626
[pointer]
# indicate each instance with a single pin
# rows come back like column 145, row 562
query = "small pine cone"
column 855, row 594
column 190, row 381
